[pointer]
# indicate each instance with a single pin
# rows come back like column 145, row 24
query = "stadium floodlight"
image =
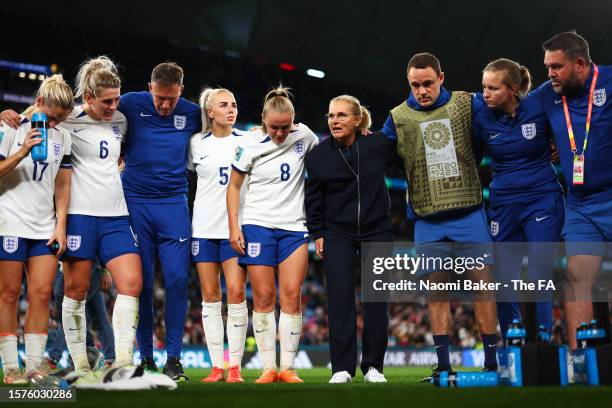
column 32, row 76
column 22, row 74
column 41, row 77
column 315, row 73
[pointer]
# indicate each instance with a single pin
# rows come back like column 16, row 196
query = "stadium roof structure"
column 353, row 41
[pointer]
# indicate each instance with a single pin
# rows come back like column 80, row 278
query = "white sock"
column 212, row 321
column 289, row 331
column 35, row 350
column 237, row 324
column 8, row 351
column 125, row 322
column 264, row 326
column 75, row 325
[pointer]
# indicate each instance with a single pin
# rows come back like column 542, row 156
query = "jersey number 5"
column 223, row 173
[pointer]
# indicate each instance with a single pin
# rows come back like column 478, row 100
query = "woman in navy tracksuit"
column 526, row 202
column 347, row 203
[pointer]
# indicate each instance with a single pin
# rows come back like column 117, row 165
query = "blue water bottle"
column 39, row 122
column 515, row 336
column 467, row 379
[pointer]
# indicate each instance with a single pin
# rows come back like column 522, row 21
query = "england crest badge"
column 299, row 148
column 73, row 242
column 599, row 97
column 10, row 244
column 195, row 247
column 116, row 129
column 494, row 228
column 180, row 121
column 529, row 130
column 254, row 249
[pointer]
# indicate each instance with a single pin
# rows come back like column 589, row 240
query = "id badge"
column 578, row 174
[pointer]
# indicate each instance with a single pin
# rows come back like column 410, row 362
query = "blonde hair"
column 277, row 100
column 96, row 74
column 54, row 91
column 207, row 98
column 365, row 118
column 512, row 74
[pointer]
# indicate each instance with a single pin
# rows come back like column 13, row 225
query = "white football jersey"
column 26, row 193
column 211, row 158
column 96, row 145
column 275, row 188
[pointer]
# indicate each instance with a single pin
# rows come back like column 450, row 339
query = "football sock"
column 8, row 351
column 212, row 321
column 125, row 321
column 264, row 326
column 289, row 330
column 73, row 320
column 237, row 324
column 441, row 343
column 34, row 349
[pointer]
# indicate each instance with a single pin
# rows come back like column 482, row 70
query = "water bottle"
column 466, row 379
column 582, row 335
column 597, row 336
column 515, row 336
column 543, row 335
column 39, row 122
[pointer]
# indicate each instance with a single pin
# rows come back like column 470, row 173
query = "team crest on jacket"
column 254, row 249
column 10, row 244
column 299, row 148
column 73, row 242
column 494, row 228
column 195, row 247
column 180, row 121
column 599, row 97
column 529, row 130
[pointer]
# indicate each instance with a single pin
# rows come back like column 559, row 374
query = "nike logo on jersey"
column 144, row 115
column 494, row 136
column 261, row 331
column 19, row 144
column 538, row 219
column 183, row 239
column 204, row 316
column 203, row 157
column 295, row 334
column 491, row 345
column 486, row 255
column 558, row 101
column 239, row 325
column 78, row 130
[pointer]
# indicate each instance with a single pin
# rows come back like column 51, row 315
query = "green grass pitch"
column 403, row 390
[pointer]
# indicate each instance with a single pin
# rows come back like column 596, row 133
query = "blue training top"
column 597, row 185
column 519, row 147
column 156, row 149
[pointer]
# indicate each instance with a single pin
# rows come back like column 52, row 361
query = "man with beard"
column 581, row 118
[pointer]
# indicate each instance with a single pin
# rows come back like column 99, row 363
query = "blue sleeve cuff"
column 389, row 129
column 238, row 170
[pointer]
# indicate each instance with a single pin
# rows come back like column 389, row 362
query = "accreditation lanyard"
column 578, row 173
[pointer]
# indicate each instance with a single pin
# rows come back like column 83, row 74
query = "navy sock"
column 489, row 342
column 441, row 343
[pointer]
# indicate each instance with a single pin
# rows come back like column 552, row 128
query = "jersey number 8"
column 284, row 168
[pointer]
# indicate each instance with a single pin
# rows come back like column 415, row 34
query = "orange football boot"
column 216, row 375
column 267, row 377
column 233, row 375
column 289, row 376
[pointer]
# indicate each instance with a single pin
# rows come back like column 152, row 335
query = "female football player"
column 273, row 232
column 98, row 222
column 211, row 154
column 32, row 224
